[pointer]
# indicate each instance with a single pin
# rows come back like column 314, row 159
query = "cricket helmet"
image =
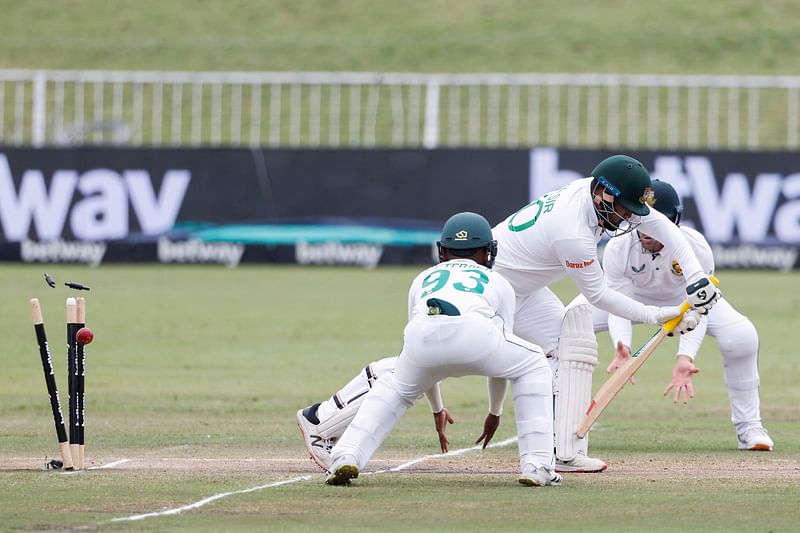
column 627, row 180
column 666, row 200
column 466, row 232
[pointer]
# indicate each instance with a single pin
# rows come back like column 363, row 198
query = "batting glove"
column 702, row 295
column 688, row 321
column 665, row 314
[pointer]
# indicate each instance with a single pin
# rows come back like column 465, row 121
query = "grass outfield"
column 619, row 36
column 195, row 374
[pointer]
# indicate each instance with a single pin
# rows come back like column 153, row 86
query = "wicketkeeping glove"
column 702, row 294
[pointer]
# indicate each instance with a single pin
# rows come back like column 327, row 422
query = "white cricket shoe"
column 581, row 464
column 342, row 471
column 538, row 476
column 756, row 439
column 319, row 448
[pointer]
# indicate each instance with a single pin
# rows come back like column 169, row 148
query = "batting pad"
column 577, row 359
column 335, row 413
column 333, row 427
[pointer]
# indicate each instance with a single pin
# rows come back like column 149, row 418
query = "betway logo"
column 60, row 251
column 728, row 208
column 749, row 256
column 101, row 213
column 335, row 253
column 194, row 251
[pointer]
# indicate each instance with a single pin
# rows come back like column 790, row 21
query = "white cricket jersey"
column 557, row 235
column 654, row 279
column 470, row 287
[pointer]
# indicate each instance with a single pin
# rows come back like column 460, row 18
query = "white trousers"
column 538, row 319
column 439, row 347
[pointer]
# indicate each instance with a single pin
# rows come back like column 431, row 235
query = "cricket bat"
column 618, row 379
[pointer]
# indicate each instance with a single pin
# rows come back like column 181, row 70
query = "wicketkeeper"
column 648, row 271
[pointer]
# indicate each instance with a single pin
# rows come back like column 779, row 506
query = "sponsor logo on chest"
column 579, row 264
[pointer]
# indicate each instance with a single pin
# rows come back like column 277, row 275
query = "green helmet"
column 627, row 180
column 467, row 232
column 666, row 200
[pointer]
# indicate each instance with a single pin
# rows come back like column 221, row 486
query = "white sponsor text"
column 336, row 253
column 194, row 251
column 58, row 251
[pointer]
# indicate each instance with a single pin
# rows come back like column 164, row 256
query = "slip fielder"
column 461, row 315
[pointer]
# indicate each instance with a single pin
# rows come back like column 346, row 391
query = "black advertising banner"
column 365, row 207
column 746, row 204
column 351, row 206
column 108, row 193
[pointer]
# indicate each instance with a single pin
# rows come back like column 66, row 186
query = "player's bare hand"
column 490, row 425
column 622, row 355
column 682, row 380
column 440, row 420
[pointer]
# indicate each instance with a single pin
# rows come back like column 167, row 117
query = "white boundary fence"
column 328, row 109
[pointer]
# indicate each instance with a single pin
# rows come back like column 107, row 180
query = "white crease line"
column 259, row 460
column 100, row 467
column 215, row 497
column 201, row 503
column 455, row 453
column 109, row 465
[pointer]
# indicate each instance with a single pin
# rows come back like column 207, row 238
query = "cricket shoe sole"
column 342, row 472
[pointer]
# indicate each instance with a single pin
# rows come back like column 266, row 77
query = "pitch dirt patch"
column 631, row 467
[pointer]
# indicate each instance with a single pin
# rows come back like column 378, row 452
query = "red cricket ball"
column 84, row 336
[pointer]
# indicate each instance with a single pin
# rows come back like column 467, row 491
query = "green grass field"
column 618, row 36
column 196, row 372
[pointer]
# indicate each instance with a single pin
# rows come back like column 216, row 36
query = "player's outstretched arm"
column 497, row 388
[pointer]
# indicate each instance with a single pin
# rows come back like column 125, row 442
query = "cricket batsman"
column 556, row 236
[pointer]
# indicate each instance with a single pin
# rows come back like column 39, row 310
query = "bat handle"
column 670, row 325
